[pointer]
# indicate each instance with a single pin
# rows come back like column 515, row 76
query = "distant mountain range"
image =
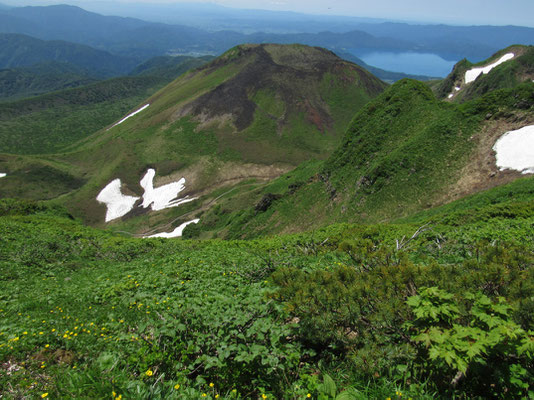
column 134, row 38
column 23, row 51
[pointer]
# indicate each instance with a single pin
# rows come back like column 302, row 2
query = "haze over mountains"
column 136, row 38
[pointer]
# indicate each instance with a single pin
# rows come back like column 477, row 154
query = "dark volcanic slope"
column 293, row 74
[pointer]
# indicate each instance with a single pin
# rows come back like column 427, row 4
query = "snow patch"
column 158, row 198
column 515, row 150
column 176, row 233
column 130, row 115
column 456, row 89
column 474, row 73
column 163, row 196
column 2, row 174
column 117, row 203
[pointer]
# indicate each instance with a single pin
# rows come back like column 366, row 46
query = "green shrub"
column 472, row 342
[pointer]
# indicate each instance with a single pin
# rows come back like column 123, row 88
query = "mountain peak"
column 290, row 73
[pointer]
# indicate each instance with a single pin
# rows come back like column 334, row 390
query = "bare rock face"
column 266, row 202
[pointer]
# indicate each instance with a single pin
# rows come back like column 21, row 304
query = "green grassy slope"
column 49, row 122
column 17, row 83
column 404, row 152
column 86, row 314
column 253, row 113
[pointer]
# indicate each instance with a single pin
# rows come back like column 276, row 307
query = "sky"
column 461, row 12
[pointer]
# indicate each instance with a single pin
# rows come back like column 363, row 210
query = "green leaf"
column 328, row 386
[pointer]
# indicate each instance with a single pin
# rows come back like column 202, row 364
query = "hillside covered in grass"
column 52, row 121
column 426, row 310
column 250, row 115
column 17, row 83
column 404, row 152
column 390, row 256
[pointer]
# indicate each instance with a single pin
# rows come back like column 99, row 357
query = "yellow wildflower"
column 177, row 386
column 149, row 373
column 44, row 395
column 212, row 384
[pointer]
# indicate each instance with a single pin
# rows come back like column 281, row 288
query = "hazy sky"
column 493, row 12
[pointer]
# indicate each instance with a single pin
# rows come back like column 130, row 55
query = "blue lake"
column 410, row 63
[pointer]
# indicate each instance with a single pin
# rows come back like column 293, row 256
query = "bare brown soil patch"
column 481, row 172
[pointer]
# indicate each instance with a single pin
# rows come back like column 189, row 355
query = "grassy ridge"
column 505, row 76
column 401, row 154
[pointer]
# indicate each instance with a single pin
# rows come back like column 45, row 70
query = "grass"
column 87, row 314
column 401, row 154
column 52, row 122
column 297, row 116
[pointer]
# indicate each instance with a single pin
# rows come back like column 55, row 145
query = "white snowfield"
column 515, row 150
column 130, row 115
column 2, row 174
column 118, row 204
column 159, row 198
column 176, row 233
column 474, row 73
column 163, row 196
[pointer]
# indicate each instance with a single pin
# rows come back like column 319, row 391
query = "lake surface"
column 410, row 63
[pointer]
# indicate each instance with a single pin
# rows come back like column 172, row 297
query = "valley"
column 280, row 220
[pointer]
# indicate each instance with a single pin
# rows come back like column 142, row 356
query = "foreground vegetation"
column 349, row 311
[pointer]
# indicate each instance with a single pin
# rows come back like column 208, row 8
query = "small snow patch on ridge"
column 515, row 150
column 130, row 115
column 118, row 204
column 474, row 73
column 2, row 174
column 176, row 233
